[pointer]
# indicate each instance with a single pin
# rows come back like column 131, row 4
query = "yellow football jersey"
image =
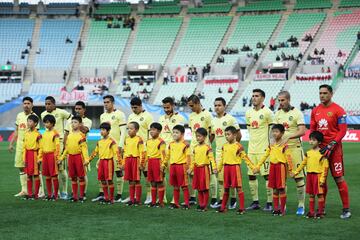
column 144, row 119
column 314, row 162
column 290, row 120
column 218, row 126
column 198, row 120
column 21, row 124
column 203, row 155
column 277, row 153
column 168, row 123
column 60, row 116
column 116, row 119
column 178, row 153
column 85, row 121
column 106, row 148
column 258, row 124
column 233, row 154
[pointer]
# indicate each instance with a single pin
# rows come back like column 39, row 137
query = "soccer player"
column 108, row 152
column 258, row 122
column 198, row 118
column 144, row 119
column 200, row 167
column 330, row 119
column 280, row 161
column 156, row 162
column 49, row 155
column 85, row 127
column 219, row 123
column 168, row 121
column 117, row 121
column 61, row 116
column 77, row 152
column 18, row 136
column 317, row 167
column 293, row 121
column 231, row 158
column 134, row 162
column 30, row 151
column 178, row 155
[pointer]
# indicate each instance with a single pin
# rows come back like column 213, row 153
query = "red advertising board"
column 351, row 136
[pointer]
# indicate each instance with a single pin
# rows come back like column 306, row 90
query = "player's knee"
column 252, row 177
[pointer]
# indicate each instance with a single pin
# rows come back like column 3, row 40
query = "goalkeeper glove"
column 327, row 150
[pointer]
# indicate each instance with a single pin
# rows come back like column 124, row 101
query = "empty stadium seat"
column 136, row 89
column 113, row 9
column 260, row 6
column 9, row 91
column 341, row 96
column 271, row 89
column 44, row 89
column 311, row 4
column 217, row 8
column 154, row 40
column 175, row 90
column 55, row 53
column 349, row 3
column 211, row 91
column 201, row 40
column 104, row 46
column 310, row 24
column 172, row 9
column 14, row 35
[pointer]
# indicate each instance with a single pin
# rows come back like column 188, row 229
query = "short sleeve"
column 299, row 118
column 234, row 123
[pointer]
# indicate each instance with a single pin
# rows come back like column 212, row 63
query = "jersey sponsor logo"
column 219, row 131
column 196, row 126
column 22, row 126
column 323, row 123
column 254, row 124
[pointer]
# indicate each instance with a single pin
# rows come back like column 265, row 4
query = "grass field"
column 21, row 219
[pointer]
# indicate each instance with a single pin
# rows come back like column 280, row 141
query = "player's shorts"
column 178, row 176
column 232, row 176
column 336, row 162
column 313, row 184
column 201, row 179
column 49, row 165
column 297, row 157
column 31, row 163
column 255, row 159
column 19, row 161
column 62, row 165
column 76, row 166
column 277, row 176
column 153, row 173
column 106, row 170
column 132, row 171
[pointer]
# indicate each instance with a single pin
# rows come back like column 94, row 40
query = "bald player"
column 61, row 116
column 293, row 121
column 144, row 119
column 219, row 123
column 258, row 121
column 117, row 121
column 199, row 118
column 18, row 136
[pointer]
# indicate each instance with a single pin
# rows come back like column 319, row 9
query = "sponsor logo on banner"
column 350, row 136
column 266, row 76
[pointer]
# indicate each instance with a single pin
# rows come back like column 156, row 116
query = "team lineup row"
column 151, row 147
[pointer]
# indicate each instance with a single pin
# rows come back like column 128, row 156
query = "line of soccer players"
column 154, row 148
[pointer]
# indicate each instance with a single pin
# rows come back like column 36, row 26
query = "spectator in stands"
column 166, row 77
column 258, row 45
column 8, row 62
column 277, row 58
column 79, row 87
column 77, row 12
column 250, row 102
column 79, row 45
column 272, row 103
column 90, row 11
column 68, row 40
column 22, row 56
column 316, row 51
column 230, row 89
column 223, row 51
column 64, row 75
column 29, row 43
column 123, row 81
column 26, row 51
column 256, row 56
column 220, row 59
column 127, row 88
column 341, row 67
column 38, row 51
column 220, row 91
column 322, row 70
column 244, row 101
column 146, row 97
column 210, row 110
column 322, row 52
column 328, row 70
column 358, row 35
column 340, row 53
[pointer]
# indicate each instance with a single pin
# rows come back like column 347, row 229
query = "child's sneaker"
column 346, row 214
column 198, row 208
column 241, row 212
column 152, row 205
column 275, row 212
column 192, row 201
column 136, row 203
column 232, row 204
column 81, row 200
column 186, row 207
column 310, row 215
column 110, row 202
column 221, row 210
column 174, row 206
column 130, row 203
column 319, row 215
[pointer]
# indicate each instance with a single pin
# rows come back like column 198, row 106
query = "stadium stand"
column 135, row 90
column 309, row 92
column 310, row 4
column 262, row 6
column 249, row 31
column 55, row 50
column 211, row 8
column 349, row 3
column 201, row 40
column 162, row 7
column 44, row 89
column 340, row 34
column 113, row 9
column 211, row 91
column 310, row 24
column 104, row 46
column 271, row 88
column 60, row 8
column 154, row 39
column 342, row 91
column 14, row 35
column 7, row 8
column 9, row 91
column 175, row 90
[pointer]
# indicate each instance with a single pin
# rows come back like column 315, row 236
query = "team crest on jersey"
column 329, row 114
column 261, row 116
column 141, row 119
column 202, row 118
column 224, row 123
column 291, row 118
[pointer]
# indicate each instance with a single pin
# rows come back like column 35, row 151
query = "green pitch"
column 21, row 219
